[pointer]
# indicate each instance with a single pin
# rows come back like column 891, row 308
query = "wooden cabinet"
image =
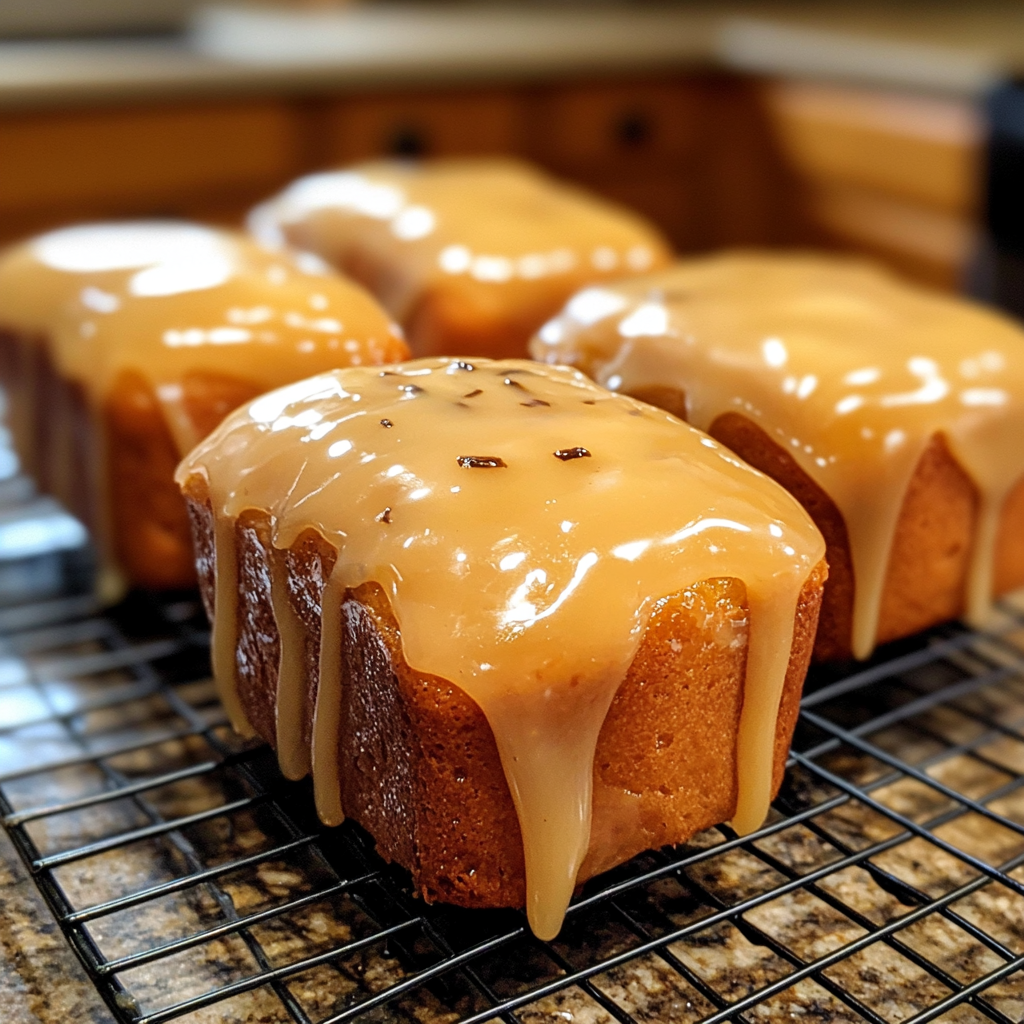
column 606, row 128
column 162, row 160
column 419, row 125
column 634, row 142
column 714, row 159
column 889, row 174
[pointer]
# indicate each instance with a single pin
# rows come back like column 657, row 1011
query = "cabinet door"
column 611, row 126
column 142, row 156
column 430, row 124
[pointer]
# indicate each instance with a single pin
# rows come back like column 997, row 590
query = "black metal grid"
column 194, row 883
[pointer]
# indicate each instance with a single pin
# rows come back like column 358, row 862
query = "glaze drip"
column 851, row 371
column 529, row 584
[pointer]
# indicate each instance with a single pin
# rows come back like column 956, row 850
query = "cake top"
column 165, row 298
column 523, row 522
column 849, row 369
column 478, row 224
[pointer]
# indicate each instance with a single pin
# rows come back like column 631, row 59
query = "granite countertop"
column 940, row 47
column 33, row 952
column 329, row 943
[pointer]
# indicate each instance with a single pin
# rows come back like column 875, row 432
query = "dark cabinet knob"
column 407, row 140
column 633, row 129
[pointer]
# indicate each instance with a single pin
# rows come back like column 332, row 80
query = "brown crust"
column 751, row 443
column 58, row 440
column 1009, row 568
column 926, row 576
column 49, row 419
column 445, row 321
column 420, row 768
column 150, row 525
column 208, row 397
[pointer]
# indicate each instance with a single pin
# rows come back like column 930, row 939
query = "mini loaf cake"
column 518, row 627
column 895, row 415
column 122, row 345
column 470, row 256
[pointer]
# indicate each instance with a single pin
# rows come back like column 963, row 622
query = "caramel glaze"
column 523, row 524
column 469, row 255
column 851, row 371
column 174, row 309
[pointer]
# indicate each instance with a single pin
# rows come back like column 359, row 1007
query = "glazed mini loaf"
column 517, row 627
column 470, row 256
column 895, row 415
column 122, row 345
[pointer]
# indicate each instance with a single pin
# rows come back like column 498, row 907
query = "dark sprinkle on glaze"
column 386, row 423
column 473, row 394
column 387, row 373
column 482, row 462
column 385, row 516
column 535, row 401
column 565, row 454
column 514, row 384
column 461, row 365
column 590, row 401
column 411, row 389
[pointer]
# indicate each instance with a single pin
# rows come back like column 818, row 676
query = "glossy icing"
column 523, row 523
column 169, row 302
column 847, row 368
column 488, row 238
column 164, row 299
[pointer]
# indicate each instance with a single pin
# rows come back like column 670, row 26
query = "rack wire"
column 194, row 883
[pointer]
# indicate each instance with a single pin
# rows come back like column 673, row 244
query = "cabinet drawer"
column 141, row 154
column 921, row 148
column 611, row 124
column 439, row 124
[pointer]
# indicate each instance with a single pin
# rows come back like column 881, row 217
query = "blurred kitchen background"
column 888, row 129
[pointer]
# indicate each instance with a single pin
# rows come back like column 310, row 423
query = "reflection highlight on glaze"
column 174, row 298
column 497, row 238
column 849, row 369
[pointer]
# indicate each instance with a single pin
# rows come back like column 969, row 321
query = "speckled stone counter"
column 41, row 981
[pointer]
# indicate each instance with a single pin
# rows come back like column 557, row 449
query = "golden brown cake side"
column 125, row 344
column 419, row 766
column 930, row 557
column 894, row 414
column 443, row 322
column 150, row 528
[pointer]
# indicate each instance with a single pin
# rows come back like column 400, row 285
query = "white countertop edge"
column 768, row 47
column 246, row 52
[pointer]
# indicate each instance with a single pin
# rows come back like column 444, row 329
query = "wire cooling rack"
column 194, row 883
